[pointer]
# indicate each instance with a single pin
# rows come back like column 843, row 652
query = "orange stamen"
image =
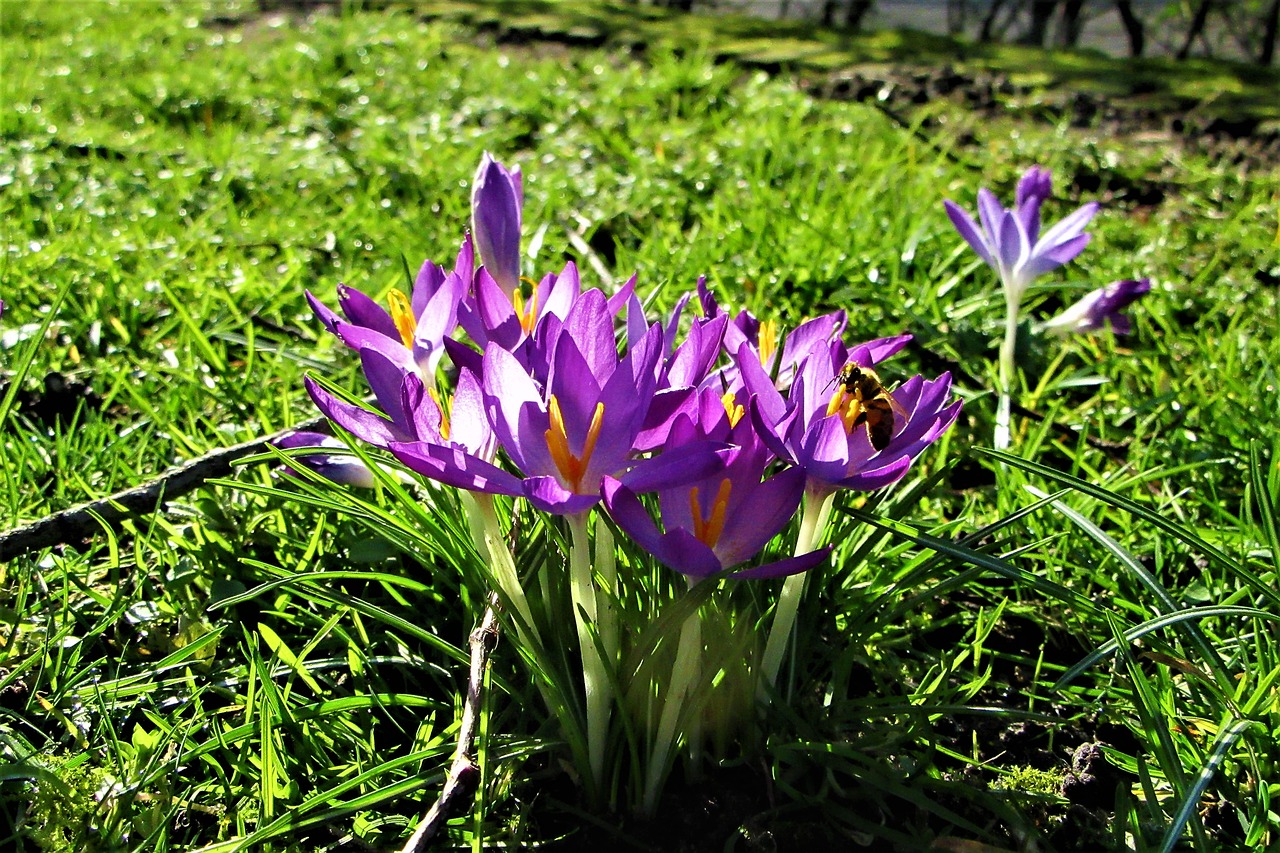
column 735, row 411
column 708, row 530
column 847, row 406
column 528, row 314
column 571, row 467
column 445, row 405
column 402, row 316
column 768, row 340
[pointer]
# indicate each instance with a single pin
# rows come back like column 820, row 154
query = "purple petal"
column 759, row 515
column 357, row 420
column 495, row 215
column 546, row 494
column 497, row 314
column 675, row 467
column 363, row 311
column 968, row 229
column 342, row 469
column 455, row 467
column 516, row 410
column 589, row 326
column 327, row 318
column 783, row 568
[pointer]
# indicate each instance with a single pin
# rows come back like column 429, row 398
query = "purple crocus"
column 721, row 521
column 762, row 338
column 412, row 330
column 1010, row 241
column 818, row 428
column 1099, row 308
column 338, row 468
column 565, row 434
column 497, row 196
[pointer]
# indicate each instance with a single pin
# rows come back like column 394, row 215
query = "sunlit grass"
column 184, row 183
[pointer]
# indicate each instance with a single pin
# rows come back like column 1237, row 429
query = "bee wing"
column 897, row 407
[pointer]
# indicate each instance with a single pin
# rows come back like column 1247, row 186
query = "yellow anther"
column 708, row 528
column 528, row 315
column 570, row 466
column 445, row 405
column 847, row 406
column 768, row 340
column 735, row 411
column 402, row 316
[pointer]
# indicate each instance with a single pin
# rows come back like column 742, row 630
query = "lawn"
column 1072, row 644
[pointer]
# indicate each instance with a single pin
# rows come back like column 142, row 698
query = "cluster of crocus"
column 701, row 447
column 1011, row 242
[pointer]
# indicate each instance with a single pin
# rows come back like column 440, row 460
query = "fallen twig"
column 75, row 525
column 464, row 776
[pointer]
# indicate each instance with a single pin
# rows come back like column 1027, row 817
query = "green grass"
column 183, row 182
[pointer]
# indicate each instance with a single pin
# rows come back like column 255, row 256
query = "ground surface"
column 185, row 175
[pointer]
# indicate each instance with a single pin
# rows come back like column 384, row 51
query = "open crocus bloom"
column 1099, row 308
column 410, row 330
column 717, row 522
column 817, row 429
column 1010, row 241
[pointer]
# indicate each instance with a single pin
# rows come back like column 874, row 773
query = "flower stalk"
column 814, row 516
column 488, row 536
column 685, row 671
column 595, row 673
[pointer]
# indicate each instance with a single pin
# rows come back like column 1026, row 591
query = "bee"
column 876, row 406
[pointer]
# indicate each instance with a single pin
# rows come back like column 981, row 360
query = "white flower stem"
column 501, row 562
column 595, row 675
column 684, row 671
column 1008, row 351
column 813, row 523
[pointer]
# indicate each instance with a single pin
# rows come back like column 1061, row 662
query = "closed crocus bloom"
column 342, row 469
column 497, row 196
column 1099, row 308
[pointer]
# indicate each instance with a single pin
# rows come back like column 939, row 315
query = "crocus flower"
column 1099, row 308
column 497, row 196
column 566, row 433
column 721, row 521
column 1010, row 241
column 762, row 338
column 338, row 468
column 818, row 429
column 411, row 330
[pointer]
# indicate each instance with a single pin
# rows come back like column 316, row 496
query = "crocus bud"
column 1098, row 308
column 497, row 195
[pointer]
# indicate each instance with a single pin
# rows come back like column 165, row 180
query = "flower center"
column 847, row 406
column 571, row 466
column 445, row 405
column 768, row 340
column 528, row 314
column 734, row 410
column 709, row 527
column 402, row 316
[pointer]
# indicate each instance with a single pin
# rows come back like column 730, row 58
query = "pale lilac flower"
column 1010, row 241
column 1099, row 308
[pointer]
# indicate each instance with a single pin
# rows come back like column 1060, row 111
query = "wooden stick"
column 464, row 776
column 75, row 525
